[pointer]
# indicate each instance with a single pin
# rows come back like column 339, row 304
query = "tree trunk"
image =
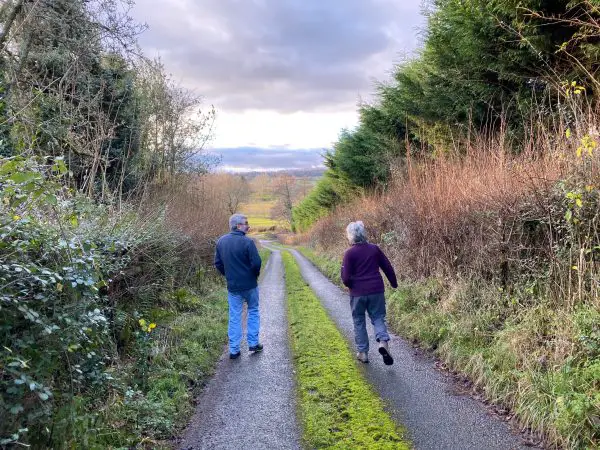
column 9, row 20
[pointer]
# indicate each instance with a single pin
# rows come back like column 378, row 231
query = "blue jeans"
column 236, row 302
column 374, row 304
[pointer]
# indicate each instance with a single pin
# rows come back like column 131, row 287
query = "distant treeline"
column 299, row 173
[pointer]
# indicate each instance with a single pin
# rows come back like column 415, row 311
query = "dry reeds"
column 490, row 213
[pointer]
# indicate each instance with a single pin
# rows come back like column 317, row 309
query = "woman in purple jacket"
column 360, row 273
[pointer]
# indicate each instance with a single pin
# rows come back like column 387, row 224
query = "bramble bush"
column 80, row 286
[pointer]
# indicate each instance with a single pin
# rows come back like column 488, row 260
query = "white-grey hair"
column 355, row 231
column 235, row 220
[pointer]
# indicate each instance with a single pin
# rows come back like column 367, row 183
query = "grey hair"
column 355, row 231
column 235, row 220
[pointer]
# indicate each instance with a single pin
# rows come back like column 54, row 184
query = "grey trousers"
column 374, row 304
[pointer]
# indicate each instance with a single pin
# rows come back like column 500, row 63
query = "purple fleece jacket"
column 360, row 269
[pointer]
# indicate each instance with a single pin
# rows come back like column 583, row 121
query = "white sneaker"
column 362, row 357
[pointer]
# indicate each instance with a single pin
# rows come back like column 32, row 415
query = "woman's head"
column 355, row 231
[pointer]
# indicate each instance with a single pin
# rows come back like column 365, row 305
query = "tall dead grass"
column 489, row 213
column 500, row 253
column 193, row 207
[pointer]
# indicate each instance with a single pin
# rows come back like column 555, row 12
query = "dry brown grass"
column 487, row 213
column 193, row 206
column 500, row 254
column 457, row 215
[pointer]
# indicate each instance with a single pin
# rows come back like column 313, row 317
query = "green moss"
column 338, row 407
column 265, row 254
column 538, row 360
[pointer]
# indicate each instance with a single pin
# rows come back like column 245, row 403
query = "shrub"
column 81, row 289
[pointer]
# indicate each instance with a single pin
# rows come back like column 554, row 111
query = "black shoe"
column 234, row 355
column 387, row 358
column 255, row 348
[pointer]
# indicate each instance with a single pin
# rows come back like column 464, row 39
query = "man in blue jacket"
column 237, row 258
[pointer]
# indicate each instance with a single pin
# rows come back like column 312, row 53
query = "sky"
column 285, row 76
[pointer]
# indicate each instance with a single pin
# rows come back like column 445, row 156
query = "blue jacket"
column 237, row 258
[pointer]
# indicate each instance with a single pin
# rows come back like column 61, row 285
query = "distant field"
column 259, row 215
column 263, row 196
column 257, row 208
column 262, row 222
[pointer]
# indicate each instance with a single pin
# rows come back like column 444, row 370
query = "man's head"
column 238, row 222
column 355, row 232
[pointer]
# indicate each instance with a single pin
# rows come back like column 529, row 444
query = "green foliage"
column 337, row 406
column 75, row 89
column 362, row 157
column 81, row 291
column 264, row 254
column 88, row 291
column 486, row 61
column 5, row 148
column 330, row 267
column 54, row 323
column 120, row 103
column 587, row 326
column 69, row 97
column 331, row 190
column 484, row 66
column 182, row 357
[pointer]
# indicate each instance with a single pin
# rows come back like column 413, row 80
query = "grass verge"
column 337, row 406
column 510, row 349
column 521, row 356
column 186, row 345
column 329, row 267
column 264, row 253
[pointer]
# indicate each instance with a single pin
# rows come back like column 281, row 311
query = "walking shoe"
column 234, row 355
column 384, row 351
column 362, row 357
column 255, row 348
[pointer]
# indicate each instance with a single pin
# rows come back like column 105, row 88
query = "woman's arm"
column 346, row 270
column 387, row 268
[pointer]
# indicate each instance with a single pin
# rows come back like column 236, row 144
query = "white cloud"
column 271, row 129
column 280, row 73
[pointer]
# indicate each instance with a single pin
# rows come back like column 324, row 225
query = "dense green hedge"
column 103, row 323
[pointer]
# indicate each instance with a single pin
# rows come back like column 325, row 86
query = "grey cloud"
column 255, row 158
column 284, row 55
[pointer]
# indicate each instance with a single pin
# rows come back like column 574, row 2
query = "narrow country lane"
column 418, row 396
column 250, row 402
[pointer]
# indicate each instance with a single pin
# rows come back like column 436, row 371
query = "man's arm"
column 387, row 268
column 255, row 260
column 346, row 271
column 218, row 261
